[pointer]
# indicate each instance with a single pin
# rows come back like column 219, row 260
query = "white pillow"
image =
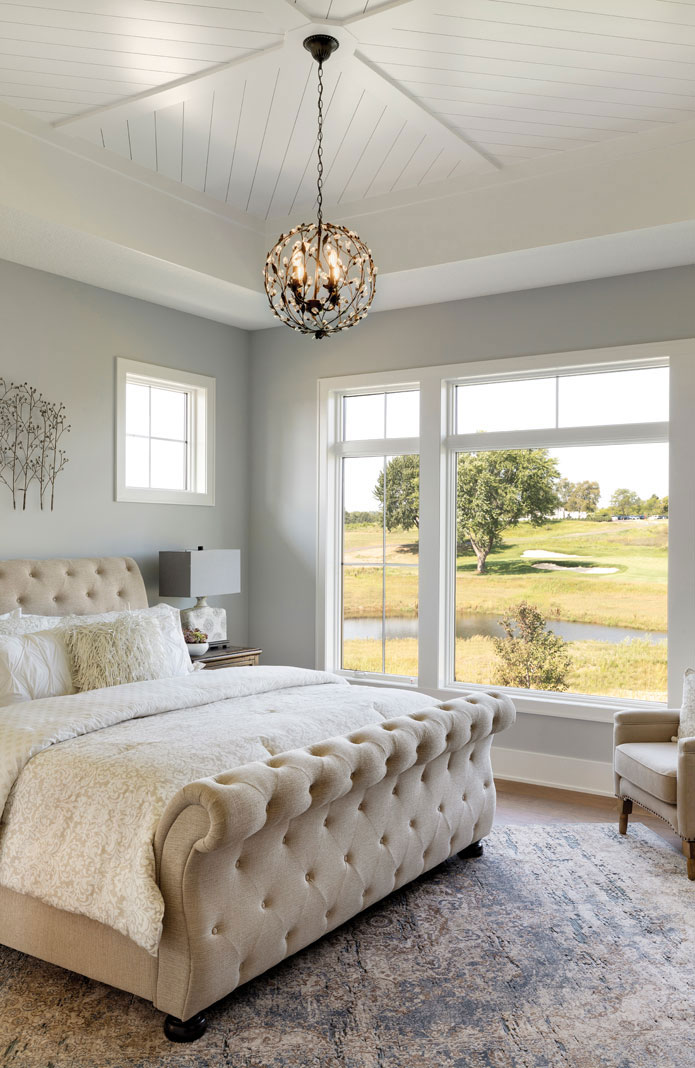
column 30, row 623
column 34, row 666
column 16, row 623
column 14, row 614
column 37, row 664
column 177, row 662
column 686, row 726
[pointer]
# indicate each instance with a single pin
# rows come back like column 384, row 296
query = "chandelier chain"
column 319, row 277
column 319, row 150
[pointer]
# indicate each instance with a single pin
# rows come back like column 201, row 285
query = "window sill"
column 559, row 706
column 148, row 496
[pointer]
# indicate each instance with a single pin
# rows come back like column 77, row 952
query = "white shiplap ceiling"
column 221, row 97
column 157, row 147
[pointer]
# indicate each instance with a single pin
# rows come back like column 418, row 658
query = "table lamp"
column 201, row 573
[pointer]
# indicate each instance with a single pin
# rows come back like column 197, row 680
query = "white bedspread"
column 85, row 779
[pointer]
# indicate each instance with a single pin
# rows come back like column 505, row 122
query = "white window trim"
column 435, row 447
column 201, row 440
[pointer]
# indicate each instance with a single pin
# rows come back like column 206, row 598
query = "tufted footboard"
column 259, row 862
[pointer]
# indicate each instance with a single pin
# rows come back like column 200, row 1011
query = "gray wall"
column 285, row 367
column 62, row 337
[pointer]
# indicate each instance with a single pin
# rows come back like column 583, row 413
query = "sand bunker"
column 579, row 568
column 541, row 554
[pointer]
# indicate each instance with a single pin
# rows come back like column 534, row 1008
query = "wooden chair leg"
column 689, row 851
column 624, row 810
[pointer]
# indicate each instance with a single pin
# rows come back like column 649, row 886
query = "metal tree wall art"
column 31, row 451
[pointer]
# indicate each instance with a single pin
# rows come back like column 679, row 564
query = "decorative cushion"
column 650, row 765
column 129, row 649
column 16, row 623
column 686, row 727
column 177, row 658
column 34, row 666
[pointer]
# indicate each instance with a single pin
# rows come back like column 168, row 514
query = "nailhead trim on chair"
column 663, row 819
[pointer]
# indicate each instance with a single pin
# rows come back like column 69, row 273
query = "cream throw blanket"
column 79, row 817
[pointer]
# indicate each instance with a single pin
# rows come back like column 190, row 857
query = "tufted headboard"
column 66, row 587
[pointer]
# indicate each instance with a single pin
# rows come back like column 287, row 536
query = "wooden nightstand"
column 229, row 656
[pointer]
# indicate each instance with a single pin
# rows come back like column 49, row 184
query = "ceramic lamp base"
column 212, row 621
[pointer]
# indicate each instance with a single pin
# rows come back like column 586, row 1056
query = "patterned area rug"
column 560, row 947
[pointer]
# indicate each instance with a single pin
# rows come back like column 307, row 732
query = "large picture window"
column 561, row 533
column 511, row 524
column 573, row 542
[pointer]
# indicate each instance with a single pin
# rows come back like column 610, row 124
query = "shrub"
column 530, row 656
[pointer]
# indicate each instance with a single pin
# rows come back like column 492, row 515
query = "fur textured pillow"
column 128, row 649
column 686, row 727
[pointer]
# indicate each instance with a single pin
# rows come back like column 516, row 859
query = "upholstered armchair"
column 655, row 772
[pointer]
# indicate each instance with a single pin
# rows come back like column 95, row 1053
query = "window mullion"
column 376, row 447
column 564, row 437
column 432, row 536
column 681, row 559
column 383, row 574
column 149, row 436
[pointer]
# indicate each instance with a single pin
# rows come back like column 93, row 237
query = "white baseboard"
column 547, row 769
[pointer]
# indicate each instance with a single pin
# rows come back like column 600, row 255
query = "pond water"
column 471, row 625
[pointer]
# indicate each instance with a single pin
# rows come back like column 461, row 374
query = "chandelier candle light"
column 320, row 278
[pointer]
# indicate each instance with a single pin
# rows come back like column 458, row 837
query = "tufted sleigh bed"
column 256, row 861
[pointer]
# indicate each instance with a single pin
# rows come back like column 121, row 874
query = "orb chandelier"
column 320, row 278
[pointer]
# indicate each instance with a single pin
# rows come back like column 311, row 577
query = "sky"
column 575, row 400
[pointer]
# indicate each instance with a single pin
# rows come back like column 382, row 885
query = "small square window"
column 165, row 435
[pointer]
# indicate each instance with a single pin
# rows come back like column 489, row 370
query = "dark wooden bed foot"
column 185, row 1030
column 475, row 849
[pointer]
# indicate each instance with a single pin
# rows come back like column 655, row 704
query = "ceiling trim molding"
column 374, row 12
column 12, row 119
column 386, row 89
column 629, row 147
column 70, row 185
column 172, row 93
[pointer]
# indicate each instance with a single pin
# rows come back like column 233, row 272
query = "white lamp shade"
column 199, row 573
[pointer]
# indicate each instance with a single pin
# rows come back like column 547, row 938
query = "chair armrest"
column 643, row 725
column 685, row 797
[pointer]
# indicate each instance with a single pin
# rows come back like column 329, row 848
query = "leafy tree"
column 584, row 497
column 651, row 505
column 655, row 505
column 626, row 502
column 529, row 655
column 362, row 518
column 564, row 490
column 402, row 492
column 497, row 490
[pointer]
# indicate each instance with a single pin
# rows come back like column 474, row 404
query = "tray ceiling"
column 221, row 98
column 158, row 147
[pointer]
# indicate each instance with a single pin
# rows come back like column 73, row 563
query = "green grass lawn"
column 630, row 669
column 635, row 596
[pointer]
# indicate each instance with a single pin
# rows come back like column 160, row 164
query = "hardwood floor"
column 519, row 802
